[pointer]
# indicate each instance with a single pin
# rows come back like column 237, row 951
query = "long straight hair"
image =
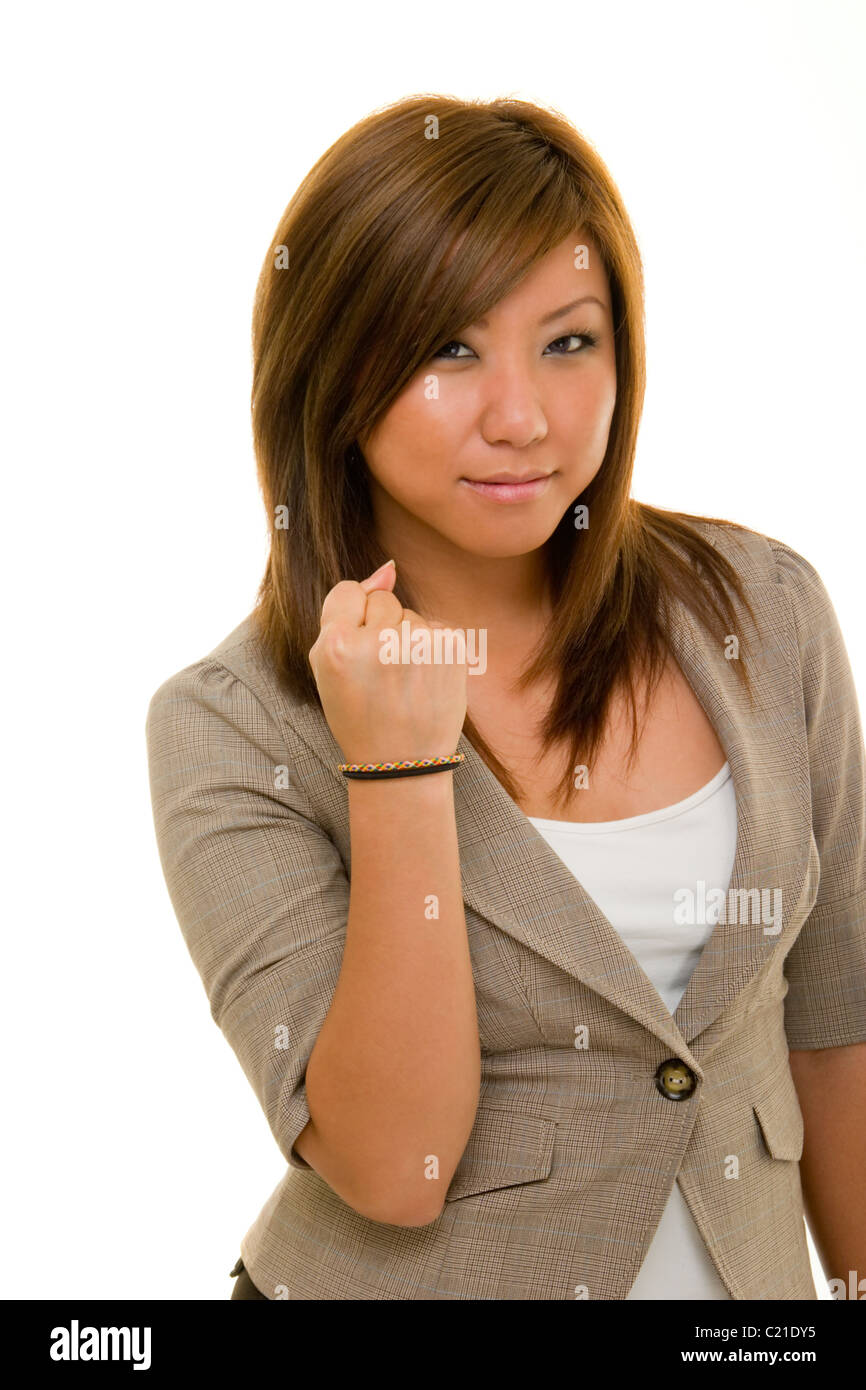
column 360, row 286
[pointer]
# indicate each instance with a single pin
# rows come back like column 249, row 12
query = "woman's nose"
column 513, row 414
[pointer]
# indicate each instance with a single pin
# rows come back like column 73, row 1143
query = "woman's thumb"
column 381, row 578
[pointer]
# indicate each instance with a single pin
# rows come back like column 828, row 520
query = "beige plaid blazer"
column 574, row 1151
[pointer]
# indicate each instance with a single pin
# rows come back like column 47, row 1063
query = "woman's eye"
column 587, row 339
column 443, row 350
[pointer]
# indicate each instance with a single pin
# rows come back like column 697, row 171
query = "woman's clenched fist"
column 380, row 712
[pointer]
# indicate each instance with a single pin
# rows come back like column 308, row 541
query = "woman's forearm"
column 394, row 1078
column 831, row 1087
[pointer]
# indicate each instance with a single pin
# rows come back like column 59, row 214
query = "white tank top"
column 632, row 869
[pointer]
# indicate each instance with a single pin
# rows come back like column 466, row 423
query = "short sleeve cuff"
column 826, row 971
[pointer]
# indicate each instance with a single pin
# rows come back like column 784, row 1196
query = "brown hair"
column 359, row 288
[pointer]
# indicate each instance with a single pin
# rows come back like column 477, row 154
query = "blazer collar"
column 512, row 878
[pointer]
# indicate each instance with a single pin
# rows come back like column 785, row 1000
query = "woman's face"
column 512, row 395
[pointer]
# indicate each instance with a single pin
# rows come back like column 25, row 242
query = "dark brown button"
column 675, row 1080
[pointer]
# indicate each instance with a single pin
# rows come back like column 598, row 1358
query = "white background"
column 149, row 153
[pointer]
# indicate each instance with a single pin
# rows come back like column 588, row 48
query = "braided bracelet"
column 410, row 768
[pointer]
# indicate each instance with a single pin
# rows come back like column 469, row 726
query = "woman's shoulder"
column 758, row 557
column 761, row 560
column 235, row 681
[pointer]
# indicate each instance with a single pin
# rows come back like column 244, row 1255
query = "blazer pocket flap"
column 780, row 1117
column 504, row 1150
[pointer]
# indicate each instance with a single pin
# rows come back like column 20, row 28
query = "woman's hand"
column 379, row 712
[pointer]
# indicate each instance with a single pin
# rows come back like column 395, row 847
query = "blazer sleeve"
column 826, row 967
column 259, row 889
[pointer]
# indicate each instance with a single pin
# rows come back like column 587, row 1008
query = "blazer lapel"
column 515, row 880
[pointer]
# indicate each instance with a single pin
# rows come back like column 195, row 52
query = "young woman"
column 518, row 833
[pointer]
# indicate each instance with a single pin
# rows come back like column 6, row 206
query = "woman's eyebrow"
column 555, row 313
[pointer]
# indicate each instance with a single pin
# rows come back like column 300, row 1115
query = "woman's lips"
column 509, row 492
